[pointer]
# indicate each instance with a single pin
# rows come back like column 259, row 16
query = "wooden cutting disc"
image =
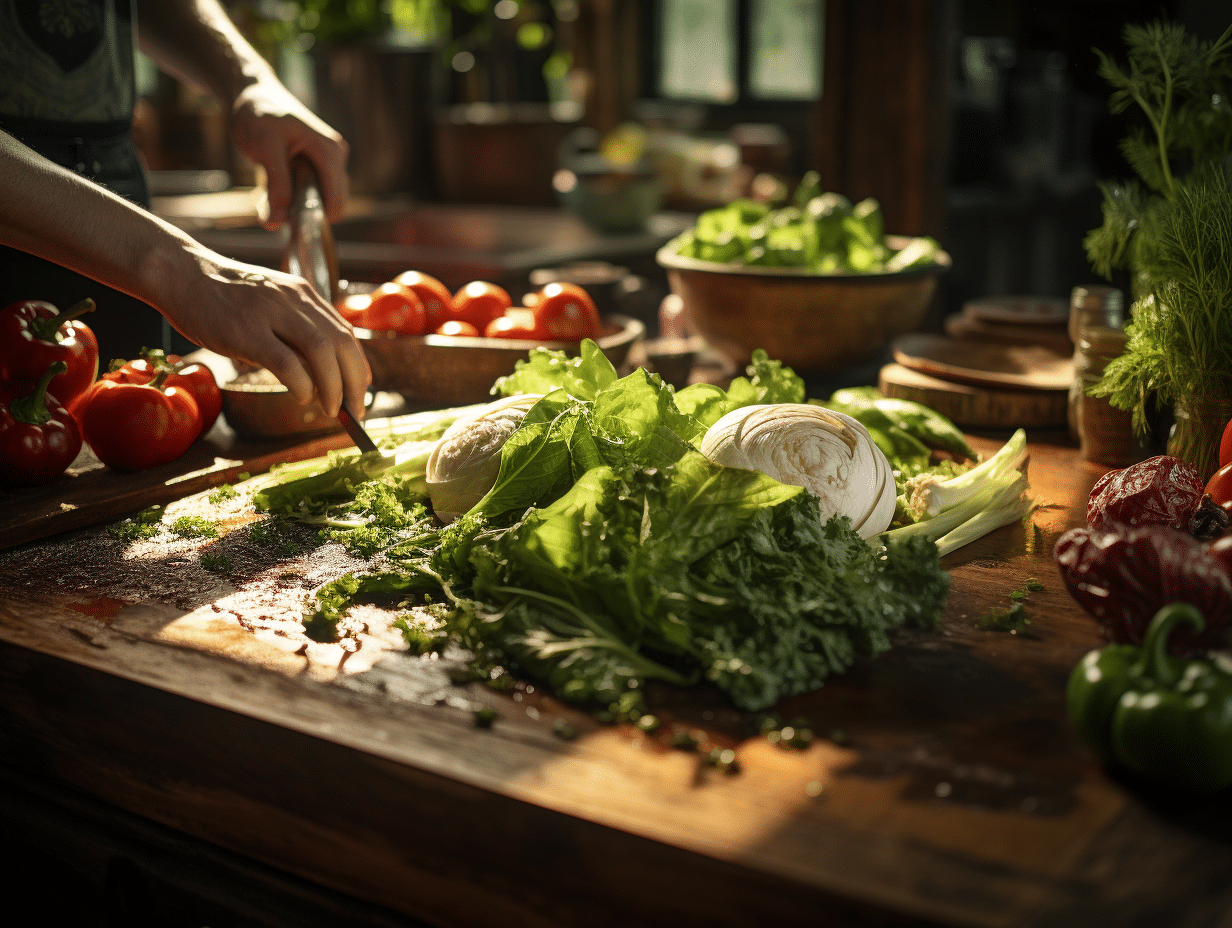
column 985, row 364
column 976, row 407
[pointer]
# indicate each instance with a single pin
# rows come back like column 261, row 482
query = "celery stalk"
column 927, row 496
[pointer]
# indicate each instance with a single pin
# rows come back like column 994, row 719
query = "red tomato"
column 479, row 302
column 1225, row 445
column 514, row 325
column 1220, row 485
column 435, row 296
column 565, row 312
column 397, row 308
column 1221, row 551
column 456, row 328
column 391, row 307
column 353, row 306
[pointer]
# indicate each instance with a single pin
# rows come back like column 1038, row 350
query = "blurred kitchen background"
column 491, row 138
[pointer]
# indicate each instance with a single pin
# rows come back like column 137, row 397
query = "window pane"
column 699, row 50
column 785, row 49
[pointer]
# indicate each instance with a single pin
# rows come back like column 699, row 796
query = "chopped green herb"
column 421, row 639
column 194, row 527
column 564, row 730
column 648, row 723
column 722, row 758
column 216, row 562
column 485, row 716
column 222, row 493
column 277, row 535
column 1012, row 619
column 686, row 740
column 130, row 530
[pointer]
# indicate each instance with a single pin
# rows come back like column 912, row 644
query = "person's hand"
column 276, row 321
column 270, row 125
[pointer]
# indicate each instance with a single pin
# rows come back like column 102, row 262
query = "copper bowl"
column 438, row 371
column 811, row 322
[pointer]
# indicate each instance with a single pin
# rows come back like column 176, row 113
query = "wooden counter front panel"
column 959, row 795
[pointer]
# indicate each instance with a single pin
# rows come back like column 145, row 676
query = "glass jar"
column 1096, row 326
column 1197, row 429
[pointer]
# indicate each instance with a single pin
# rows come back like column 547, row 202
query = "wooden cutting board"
column 976, row 407
column 1054, row 337
column 986, row 364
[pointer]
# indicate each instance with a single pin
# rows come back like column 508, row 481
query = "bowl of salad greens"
column 817, row 283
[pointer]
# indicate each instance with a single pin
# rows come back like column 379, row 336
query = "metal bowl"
column 438, row 371
column 811, row 322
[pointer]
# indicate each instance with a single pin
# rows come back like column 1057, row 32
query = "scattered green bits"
column 484, row 716
column 564, row 729
column 133, row 530
column 684, row 740
column 222, row 493
column 216, row 563
column 1012, row 619
column 723, row 759
column 194, row 527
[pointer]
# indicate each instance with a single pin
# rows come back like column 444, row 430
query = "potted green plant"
column 1171, row 230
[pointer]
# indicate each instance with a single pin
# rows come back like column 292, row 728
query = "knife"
column 361, row 438
column 310, row 255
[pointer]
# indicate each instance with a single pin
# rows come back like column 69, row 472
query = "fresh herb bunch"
column 1172, row 227
column 1183, row 86
column 1180, row 340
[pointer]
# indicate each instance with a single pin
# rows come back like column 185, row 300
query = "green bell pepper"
column 1167, row 719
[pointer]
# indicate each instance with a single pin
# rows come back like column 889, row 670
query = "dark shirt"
column 68, row 92
column 69, row 88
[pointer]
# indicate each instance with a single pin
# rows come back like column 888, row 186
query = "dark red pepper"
column 133, row 426
column 1123, row 577
column 34, row 334
column 193, row 376
column 1162, row 490
column 38, row 437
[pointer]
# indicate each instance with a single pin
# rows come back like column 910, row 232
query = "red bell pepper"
column 193, row 376
column 34, row 334
column 136, row 426
column 39, row 438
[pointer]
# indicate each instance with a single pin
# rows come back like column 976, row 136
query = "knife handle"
column 310, row 248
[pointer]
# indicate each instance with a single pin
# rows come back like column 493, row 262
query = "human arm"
column 195, row 41
column 249, row 313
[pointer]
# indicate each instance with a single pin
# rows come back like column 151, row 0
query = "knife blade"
column 362, row 439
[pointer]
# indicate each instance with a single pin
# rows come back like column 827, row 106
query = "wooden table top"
column 958, row 794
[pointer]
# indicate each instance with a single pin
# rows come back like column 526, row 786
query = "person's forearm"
column 196, row 42
column 53, row 213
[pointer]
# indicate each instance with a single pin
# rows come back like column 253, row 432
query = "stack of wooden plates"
column 1003, row 363
column 1014, row 320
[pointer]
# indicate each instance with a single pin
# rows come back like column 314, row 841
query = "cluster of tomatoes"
column 1220, row 485
column 138, row 415
column 414, row 303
